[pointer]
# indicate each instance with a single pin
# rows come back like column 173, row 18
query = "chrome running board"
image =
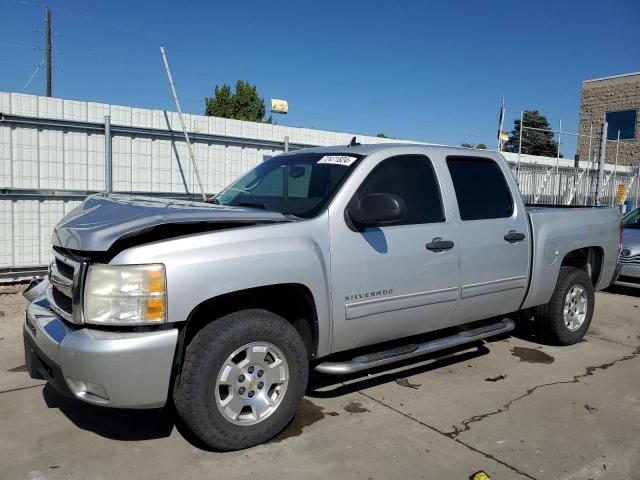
column 371, row 360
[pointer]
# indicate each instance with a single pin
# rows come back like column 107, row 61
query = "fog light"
column 82, row 389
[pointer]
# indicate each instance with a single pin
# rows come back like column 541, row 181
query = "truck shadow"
column 115, row 424
column 623, row 290
column 138, row 425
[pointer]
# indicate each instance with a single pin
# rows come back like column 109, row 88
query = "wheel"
column 567, row 316
column 242, row 380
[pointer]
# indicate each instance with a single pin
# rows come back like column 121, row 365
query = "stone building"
column 616, row 99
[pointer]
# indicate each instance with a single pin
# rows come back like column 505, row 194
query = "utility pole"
column 601, row 161
column 48, row 50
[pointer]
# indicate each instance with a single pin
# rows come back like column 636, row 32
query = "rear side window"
column 481, row 189
column 411, row 177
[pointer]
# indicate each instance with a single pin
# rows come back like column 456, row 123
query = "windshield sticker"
column 337, row 160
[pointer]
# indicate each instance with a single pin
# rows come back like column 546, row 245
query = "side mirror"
column 377, row 209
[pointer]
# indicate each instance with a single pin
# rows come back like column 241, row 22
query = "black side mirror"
column 377, row 209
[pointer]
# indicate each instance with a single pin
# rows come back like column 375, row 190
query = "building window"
column 623, row 121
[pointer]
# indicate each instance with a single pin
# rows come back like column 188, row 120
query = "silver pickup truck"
column 337, row 259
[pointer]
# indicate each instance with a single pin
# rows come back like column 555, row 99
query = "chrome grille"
column 64, row 295
column 633, row 259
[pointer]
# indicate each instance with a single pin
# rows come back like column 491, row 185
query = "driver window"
column 410, row 177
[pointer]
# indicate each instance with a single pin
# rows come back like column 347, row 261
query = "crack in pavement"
column 22, row 388
column 465, row 425
column 612, row 341
column 430, row 427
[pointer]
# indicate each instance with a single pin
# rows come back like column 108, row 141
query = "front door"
column 392, row 281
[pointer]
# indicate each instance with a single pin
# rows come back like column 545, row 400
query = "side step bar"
column 385, row 357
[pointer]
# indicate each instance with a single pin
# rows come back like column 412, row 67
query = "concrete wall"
column 609, row 95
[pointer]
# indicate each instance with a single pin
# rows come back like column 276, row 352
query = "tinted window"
column 481, row 188
column 411, row 178
column 624, row 121
column 632, row 220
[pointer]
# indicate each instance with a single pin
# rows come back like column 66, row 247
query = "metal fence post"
column 558, row 177
column 286, row 144
column 108, row 159
column 615, row 173
column 519, row 145
column 601, row 160
column 636, row 203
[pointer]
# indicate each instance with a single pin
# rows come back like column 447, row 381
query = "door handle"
column 513, row 236
column 439, row 245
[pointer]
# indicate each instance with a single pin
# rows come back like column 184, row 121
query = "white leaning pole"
column 184, row 129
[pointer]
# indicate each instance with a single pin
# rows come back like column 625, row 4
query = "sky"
column 426, row 71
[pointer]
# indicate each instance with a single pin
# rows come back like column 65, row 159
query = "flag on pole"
column 501, row 138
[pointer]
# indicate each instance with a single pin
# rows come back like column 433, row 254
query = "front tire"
column 567, row 316
column 243, row 378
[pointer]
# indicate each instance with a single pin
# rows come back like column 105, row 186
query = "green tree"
column 243, row 104
column 221, row 104
column 381, row 135
column 480, row 146
column 534, row 142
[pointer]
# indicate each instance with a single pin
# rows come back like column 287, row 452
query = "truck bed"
column 557, row 230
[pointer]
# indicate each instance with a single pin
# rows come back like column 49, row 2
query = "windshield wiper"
column 259, row 205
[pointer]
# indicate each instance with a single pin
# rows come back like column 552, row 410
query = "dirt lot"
column 511, row 407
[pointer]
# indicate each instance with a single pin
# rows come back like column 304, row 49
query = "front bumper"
column 113, row 369
column 629, row 275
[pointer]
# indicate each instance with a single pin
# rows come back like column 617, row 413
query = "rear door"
column 494, row 243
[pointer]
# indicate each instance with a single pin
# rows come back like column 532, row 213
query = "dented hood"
column 103, row 219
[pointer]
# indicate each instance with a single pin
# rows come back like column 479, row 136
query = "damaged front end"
column 104, row 220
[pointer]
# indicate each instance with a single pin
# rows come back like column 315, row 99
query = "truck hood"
column 103, row 219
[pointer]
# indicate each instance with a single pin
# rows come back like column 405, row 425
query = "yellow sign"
column 279, row 106
column 620, row 194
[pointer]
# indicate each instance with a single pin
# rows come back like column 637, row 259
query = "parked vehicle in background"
column 223, row 308
column 629, row 275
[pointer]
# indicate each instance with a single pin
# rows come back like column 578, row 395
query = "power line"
column 13, row 45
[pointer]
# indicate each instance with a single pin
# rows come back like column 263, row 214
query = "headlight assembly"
column 125, row 295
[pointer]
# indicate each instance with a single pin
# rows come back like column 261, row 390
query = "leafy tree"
column 243, row 104
column 221, row 104
column 381, row 135
column 480, row 146
column 534, row 142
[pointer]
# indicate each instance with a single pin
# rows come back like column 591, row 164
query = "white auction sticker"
column 338, row 160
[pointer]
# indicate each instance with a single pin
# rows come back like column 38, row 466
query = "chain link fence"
column 574, row 186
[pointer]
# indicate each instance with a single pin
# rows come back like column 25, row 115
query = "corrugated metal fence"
column 52, row 154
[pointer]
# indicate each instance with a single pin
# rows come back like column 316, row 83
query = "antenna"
column 184, row 129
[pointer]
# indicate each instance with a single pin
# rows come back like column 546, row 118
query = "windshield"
column 632, row 220
column 299, row 184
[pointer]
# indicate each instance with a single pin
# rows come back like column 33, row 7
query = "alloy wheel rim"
column 251, row 383
column 575, row 307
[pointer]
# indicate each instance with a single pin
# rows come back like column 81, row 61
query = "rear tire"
column 226, row 395
column 567, row 316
